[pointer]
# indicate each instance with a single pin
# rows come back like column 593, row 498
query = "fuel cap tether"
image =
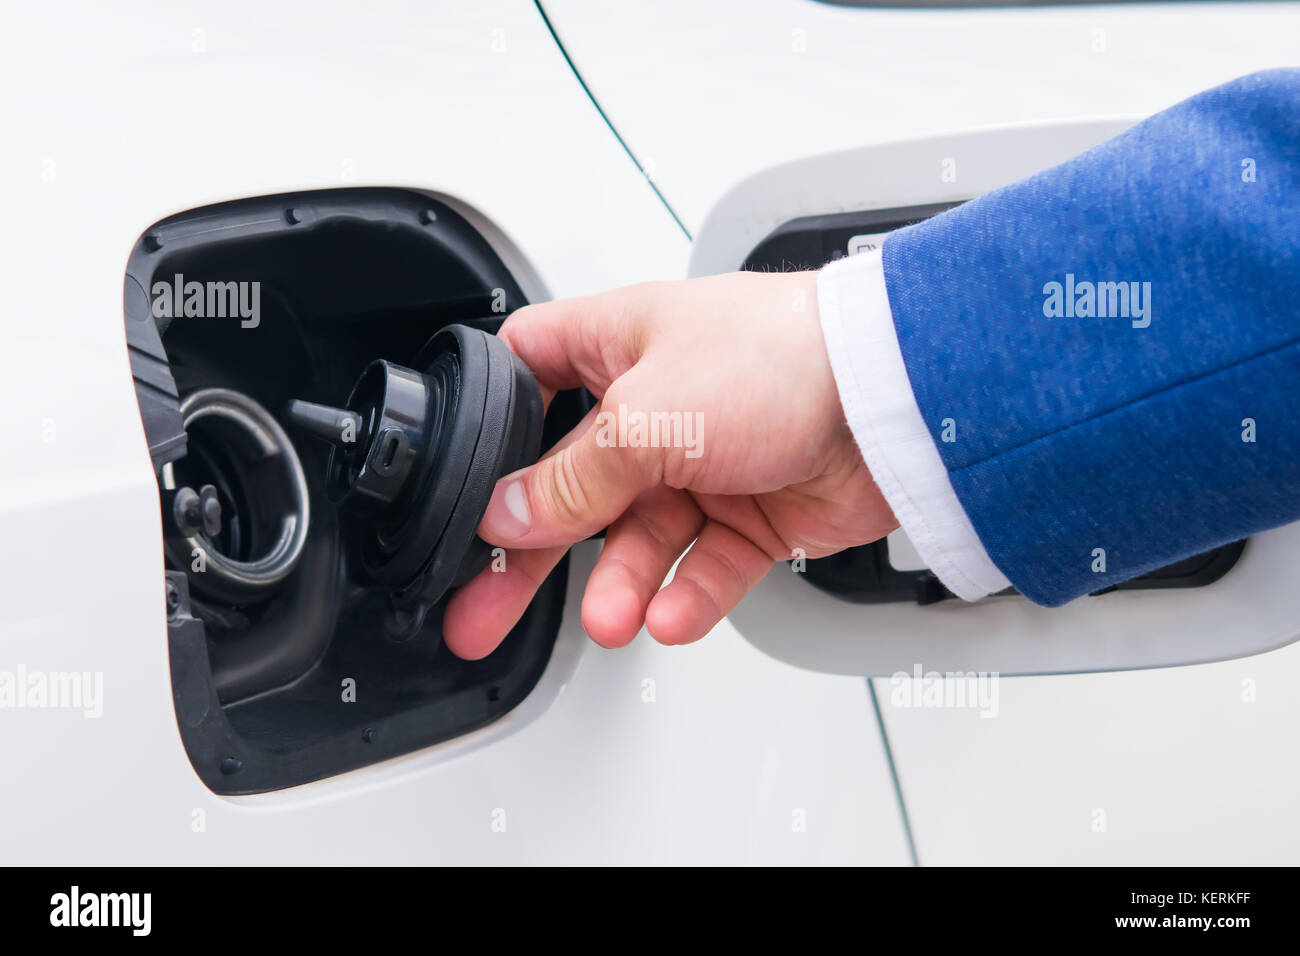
column 416, row 455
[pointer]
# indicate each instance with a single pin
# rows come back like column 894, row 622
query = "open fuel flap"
column 328, row 408
column 877, row 610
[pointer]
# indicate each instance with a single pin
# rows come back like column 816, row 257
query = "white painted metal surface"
column 1183, row 765
column 114, row 120
column 708, row 93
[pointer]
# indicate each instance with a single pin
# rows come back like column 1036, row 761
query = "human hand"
column 761, row 464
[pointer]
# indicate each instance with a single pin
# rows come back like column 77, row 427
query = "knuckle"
column 647, row 463
column 626, row 414
column 659, row 538
column 566, row 495
column 729, row 570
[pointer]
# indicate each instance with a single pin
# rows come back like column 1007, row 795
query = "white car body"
column 763, row 743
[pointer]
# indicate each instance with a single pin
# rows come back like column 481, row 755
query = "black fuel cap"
column 416, row 455
column 378, row 438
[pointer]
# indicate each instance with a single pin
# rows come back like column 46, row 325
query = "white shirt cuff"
column 882, row 413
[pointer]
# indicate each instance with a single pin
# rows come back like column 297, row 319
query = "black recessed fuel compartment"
column 865, row 575
column 283, row 670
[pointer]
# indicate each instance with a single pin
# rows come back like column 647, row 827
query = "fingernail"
column 507, row 513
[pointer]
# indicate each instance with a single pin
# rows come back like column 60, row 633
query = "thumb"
column 569, row 496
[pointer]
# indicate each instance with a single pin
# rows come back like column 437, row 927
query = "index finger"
column 588, row 341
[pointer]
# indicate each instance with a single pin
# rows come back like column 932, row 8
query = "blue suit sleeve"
column 1107, row 354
